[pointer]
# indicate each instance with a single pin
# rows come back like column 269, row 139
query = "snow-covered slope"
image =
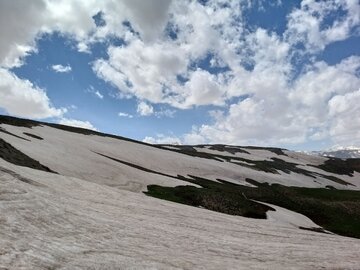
column 50, row 221
column 106, row 160
column 91, row 213
column 346, row 152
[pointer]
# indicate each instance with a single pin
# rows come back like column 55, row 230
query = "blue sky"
column 273, row 73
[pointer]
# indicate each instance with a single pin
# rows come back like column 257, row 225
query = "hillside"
column 73, row 198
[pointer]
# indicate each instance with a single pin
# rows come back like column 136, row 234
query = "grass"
column 270, row 166
column 340, row 166
column 335, row 210
column 211, row 196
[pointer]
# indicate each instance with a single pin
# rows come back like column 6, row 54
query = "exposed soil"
column 33, row 135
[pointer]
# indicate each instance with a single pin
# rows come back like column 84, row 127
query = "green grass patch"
column 341, row 166
column 211, row 196
column 335, row 210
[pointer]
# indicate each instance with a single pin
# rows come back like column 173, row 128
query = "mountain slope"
column 73, row 199
column 68, row 223
column 344, row 153
column 90, row 155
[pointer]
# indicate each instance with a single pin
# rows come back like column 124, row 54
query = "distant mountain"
column 344, row 153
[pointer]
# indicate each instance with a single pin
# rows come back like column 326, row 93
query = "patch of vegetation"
column 224, row 148
column 191, row 151
column 14, row 156
column 270, row 166
column 335, row 210
column 211, row 197
column 341, row 166
column 18, row 122
column 33, row 135
column 277, row 164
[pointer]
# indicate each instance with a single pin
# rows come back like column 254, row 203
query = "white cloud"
column 308, row 24
column 150, row 71
column 165, row 113
column 345, row 110
column 77, row 123
column 258, row 90
column 95, row 92
column 22, row 98
column 142, row 70
column 122, row 114
column 61, row 68
column 145, row 109
column 162, row 139
column 293, row 113
column 148, row 17
column 21, row 23
column 18, row 28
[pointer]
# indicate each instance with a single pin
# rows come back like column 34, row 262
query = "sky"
column 267, row 73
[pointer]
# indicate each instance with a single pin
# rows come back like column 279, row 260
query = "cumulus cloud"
column 145, row 109
column 148, row 17
column 250, row 74
column 308, row 24
column 61, row 68
column 18, row 28
column 142, row 70
column 345, row 126
column 22, row 23
column 291, row 114
column 77, row 123
column 22, row 98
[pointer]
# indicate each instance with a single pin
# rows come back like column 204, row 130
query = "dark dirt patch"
column 136, row 166
column 14, row 156
column 12, row 134
column 314, row 229
column 33, row 135
column 21, row 178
